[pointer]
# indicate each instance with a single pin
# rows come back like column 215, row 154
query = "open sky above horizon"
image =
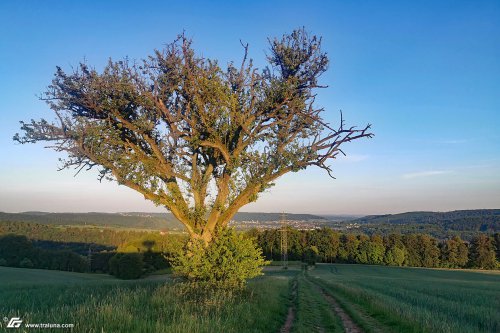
column 426, row 74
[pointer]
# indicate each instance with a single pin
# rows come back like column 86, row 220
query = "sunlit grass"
column 108, row 305
column 416, row 300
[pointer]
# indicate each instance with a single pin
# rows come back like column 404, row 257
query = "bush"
column 311, row 255
column 99, row 262
column 126, row 265
column 3, row 262
column 15, row 248
column 154, row 261
column 26, row 263
column 227, row 262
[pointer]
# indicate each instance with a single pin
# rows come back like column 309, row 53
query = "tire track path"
column 290, row 318
column 349, row 325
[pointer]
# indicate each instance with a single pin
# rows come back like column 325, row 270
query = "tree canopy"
column 190, row 135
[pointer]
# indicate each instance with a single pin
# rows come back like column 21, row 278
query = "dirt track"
column 349, row 325
column 290, row 318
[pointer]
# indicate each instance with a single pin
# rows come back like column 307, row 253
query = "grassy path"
column 290, row 318
column 349, row 325
column 310, row 310
column 354, row 317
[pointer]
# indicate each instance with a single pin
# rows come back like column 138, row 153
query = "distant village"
column 296, row 224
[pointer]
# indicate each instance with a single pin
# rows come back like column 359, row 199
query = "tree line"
column 67, row 248
column 19, row 251
column 415, row 250
column 106, row 236
column 132, row 262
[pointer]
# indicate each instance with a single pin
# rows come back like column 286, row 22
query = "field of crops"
column 374, row 298
column 384, row 299
column 98, row 303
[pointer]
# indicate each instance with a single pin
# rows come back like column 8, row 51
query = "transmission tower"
column 284, row 242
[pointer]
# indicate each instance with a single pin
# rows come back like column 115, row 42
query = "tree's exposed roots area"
column 290, row 318
column 349, row 325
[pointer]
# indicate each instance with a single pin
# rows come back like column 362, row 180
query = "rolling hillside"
column 154, row 221
column 439, row 224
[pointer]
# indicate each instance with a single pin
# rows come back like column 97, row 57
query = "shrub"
column 126, row 265
column 99, row 262
column 154, row 261
column 226, row 262
column 3, row 262
column 310, row 256
column 26, row 263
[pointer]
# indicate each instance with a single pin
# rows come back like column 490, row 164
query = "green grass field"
column 393, row 299
column 99, row 303
column 377, row 298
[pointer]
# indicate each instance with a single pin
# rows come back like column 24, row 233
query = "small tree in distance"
column 200, row 140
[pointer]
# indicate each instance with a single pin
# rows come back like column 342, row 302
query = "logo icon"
column 14, row 322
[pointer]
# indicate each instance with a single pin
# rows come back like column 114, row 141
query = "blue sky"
column 426, row 74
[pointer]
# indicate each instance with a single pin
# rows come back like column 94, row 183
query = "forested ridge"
column 463, row 223
column 484, row 220
column 139, row 220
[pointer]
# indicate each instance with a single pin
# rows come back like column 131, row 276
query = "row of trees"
column 18, row 251
column 148, row 253
column 417, row 250
column 72, row 234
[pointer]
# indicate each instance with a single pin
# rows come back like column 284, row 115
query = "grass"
column 414, row 299
column 21, row 276
column 313, row 312
column 98, row 303
column 378, row 299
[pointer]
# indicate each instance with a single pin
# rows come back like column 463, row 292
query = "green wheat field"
column 377, row 298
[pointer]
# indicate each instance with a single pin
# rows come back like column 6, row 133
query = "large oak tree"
column 196, row 138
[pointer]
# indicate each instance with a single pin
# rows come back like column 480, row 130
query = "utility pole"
column 284, row 242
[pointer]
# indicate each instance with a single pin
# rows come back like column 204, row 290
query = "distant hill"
column 439, row 224
column 266, row 217
column 124, row 220
column 489, row 215
column 138, row 220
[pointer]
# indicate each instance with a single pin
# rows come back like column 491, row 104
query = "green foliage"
column 126, row 266
column 226, row 262
column 154, row 261
column 153, row 221
column 311, row 255
column 395, row 256
column 464, row 223
column 18, row 251
column 416, row 250
column 99, row 237
column 153, row 242
column 14, row 248
column 482, row 253
column 177, row 123
column 99, row 262
column 26, row 263
column 454, row 253
column 3, row 262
